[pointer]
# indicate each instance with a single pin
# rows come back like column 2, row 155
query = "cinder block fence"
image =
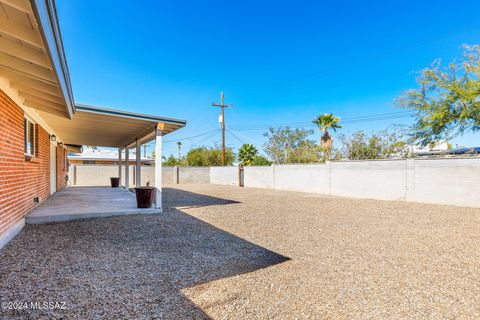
column 438, row 181
column 99, row 175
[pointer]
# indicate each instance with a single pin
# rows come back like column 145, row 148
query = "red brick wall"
column 20, row 180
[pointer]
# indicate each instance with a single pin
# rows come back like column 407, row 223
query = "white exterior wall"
column 384, row 180
column 224, row 175
column 258, row 177
column 313, row 178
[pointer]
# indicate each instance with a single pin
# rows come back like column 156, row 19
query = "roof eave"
column 131, row 115
column 46, row 15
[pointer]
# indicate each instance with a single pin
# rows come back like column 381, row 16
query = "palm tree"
column 325, row 122
column 247, row 154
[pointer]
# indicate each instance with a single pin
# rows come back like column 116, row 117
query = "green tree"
column 204, row 156
column 261, row 161
column 384, row 144
column 173, row 161
column 287, row 145
column 247, row 154
column 447, row 100
column 325, row 122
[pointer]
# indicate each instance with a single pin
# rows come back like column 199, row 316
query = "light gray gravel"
column 228, row 252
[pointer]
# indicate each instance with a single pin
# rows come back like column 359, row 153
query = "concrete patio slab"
column 75, row 203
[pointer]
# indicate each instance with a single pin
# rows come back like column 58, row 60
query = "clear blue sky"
column 277, row 61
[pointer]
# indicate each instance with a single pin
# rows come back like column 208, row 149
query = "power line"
column 355, row 119
column 211, row 135
column 191, row 137
column 236, row 137
column 255, row 141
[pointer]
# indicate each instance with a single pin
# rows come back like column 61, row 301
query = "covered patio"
column 86, row 202
column 104, row 127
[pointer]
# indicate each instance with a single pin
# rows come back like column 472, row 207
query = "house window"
column 29, row 137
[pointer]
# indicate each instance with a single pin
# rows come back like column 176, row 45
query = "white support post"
column 127, row 173
column 138, row 164
column 120, row 165
column 158, row 168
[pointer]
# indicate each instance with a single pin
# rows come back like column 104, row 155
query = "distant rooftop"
column 103, row 154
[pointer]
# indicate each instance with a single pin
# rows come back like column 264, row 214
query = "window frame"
column 28, row 137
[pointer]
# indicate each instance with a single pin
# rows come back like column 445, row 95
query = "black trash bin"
column 145, row 196
column 115, row 182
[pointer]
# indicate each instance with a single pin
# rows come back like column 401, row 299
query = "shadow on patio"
column 124, row 267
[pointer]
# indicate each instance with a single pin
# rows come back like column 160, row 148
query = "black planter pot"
column 145, row 196
column 115, row 182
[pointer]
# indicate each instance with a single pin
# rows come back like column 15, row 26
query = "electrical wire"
column 355, row 119
column 236, row 137
column 191, row 137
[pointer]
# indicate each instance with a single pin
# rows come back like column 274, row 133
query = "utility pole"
column 221, row 119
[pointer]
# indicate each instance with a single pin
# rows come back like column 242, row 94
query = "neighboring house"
column 457, row 152
column 444, row 149
column 91, row 156
column 438, row 146
column 39, row 120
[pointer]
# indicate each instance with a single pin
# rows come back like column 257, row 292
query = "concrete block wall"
column 438, row 181
column 383, row 180
column 193, row 175
column 258, row 177
column 224, row 175
column 446, row 181
column 313, row 178
column 99, row 175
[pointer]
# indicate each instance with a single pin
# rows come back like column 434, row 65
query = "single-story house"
column 90, row 156
column 40, row 122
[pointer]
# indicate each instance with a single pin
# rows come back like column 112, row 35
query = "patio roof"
column 99, row 126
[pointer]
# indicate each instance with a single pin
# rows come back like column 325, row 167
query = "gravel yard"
column 228, row 253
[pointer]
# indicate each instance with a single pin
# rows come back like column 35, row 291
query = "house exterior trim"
column 46, row 15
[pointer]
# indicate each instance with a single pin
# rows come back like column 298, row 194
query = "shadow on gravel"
column 175, row 198
column 130, row 267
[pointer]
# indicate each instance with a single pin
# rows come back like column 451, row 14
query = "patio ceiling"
column 104, row 127
column 32, row 57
